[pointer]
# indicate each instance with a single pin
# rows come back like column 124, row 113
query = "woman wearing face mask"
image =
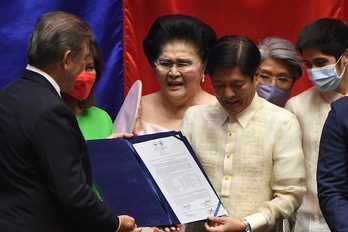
column 94, row 122
column 323, row 45
column 280, row 67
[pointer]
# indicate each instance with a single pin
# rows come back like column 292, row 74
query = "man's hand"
column 128, row 224
column 224, row 224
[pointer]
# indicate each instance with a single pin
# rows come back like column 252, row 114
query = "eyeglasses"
column 280, row 82
column 166, row 66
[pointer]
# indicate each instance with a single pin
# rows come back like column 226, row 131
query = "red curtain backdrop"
column 255, row 19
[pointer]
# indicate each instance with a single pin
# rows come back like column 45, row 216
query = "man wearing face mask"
column 323, row 45
column 280, row 67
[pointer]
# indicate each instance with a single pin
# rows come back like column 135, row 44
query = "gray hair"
column 54, row 34
column 284, row 50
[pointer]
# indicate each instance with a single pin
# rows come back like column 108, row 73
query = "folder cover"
column 155, row 178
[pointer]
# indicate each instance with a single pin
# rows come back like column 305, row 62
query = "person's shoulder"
column 204, row 110
column 206, row 99
column 339, row 109
column 151, row 96
column 341, row 103
column 274, row 109
column 304, row 101
column 307, row 94
column 273, row 113
column 97, row 110
column 150, row 104
column 150, row 99
column 208, row 105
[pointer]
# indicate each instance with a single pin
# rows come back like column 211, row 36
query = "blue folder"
column 126, row 185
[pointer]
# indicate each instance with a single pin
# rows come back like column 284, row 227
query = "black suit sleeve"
column 64, row 159
column 332, row 172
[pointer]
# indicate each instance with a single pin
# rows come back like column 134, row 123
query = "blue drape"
column 18, row 18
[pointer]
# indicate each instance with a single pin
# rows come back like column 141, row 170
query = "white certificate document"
column 180, row 179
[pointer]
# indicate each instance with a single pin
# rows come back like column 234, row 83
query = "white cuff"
column 256, row 221
column 119, row 224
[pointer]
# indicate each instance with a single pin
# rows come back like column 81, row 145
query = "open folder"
column 156, row 178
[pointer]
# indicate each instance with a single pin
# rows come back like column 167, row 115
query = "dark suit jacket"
column 45, row 172
column 332, row 176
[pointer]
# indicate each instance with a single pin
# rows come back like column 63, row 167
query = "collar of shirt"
column 331, row 96
column 243, row 117
column 48, row 77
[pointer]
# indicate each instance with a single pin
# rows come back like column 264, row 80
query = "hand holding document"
column 173, row 187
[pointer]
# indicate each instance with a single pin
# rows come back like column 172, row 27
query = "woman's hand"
column 168, row 229
column 120, row 135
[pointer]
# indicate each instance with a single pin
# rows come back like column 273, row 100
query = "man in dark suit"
column 45, row 172
column 332, row 176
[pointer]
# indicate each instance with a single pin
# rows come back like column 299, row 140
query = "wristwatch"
column 247, row 225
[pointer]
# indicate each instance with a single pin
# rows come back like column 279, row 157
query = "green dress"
column 95, row 123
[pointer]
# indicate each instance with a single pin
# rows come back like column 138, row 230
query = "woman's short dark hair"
column 234, row 52
column 328, row 35
column 177, row 27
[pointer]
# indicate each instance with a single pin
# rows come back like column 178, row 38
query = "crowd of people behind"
column 277, row 163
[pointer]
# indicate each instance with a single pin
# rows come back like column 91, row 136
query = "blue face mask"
column 325, row 78
column 273, row 94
